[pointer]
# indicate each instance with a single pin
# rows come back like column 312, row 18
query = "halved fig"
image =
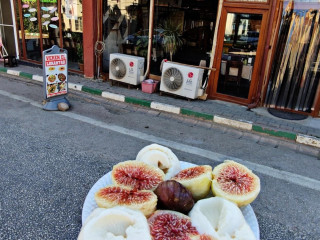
column 161, row 157
column 137, row 175
column 196, row 179
column 235, row 182
column 172, row 195
column 115, row 223
column 111, row 196
column 171, row 225
column 220, row 219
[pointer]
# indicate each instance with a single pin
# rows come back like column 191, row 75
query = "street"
column 50, row 160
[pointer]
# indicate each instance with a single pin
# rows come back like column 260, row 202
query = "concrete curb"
column 234, row 123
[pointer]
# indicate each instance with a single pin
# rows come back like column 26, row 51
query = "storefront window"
column 125, row 28
column 50, row 24
column 72, row 31
column 31, row 29
column 295, row 72
column 183, row 32
column 239, row 52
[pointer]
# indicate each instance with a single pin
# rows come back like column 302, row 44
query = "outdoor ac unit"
column 181, row 80
column 126, row 68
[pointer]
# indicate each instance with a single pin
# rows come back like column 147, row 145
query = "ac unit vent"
column 182, row 80
column 173, row 79
column 118, row 68
column 126, row 68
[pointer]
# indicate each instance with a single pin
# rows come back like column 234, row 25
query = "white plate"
column 90, row 204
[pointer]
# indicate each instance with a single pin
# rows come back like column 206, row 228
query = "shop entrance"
column 7, row 30
column 239, row 53
column 44, row 23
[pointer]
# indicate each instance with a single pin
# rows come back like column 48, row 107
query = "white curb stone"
column 165, row 107
column 234, row 123
column 113, row 96
column 73, row 86
column 308, row 140
column 37, row 78
column 13, row 72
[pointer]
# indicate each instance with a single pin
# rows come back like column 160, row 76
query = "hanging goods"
column 98, row 50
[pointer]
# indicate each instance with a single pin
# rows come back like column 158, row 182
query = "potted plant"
column 141, row 47
column 171, row 38
column 80, row 56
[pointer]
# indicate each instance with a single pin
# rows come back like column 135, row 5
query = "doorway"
column 42, row 24
column 239, row 54
column 8, row 45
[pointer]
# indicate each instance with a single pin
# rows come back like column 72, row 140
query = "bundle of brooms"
column 295, row 76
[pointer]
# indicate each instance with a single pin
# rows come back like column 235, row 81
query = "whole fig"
column 172, row 195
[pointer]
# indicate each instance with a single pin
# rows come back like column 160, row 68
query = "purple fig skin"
column 172, row 195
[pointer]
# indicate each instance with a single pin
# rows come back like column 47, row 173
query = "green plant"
column 171, row 38
column 142, row 46
column 80, row 53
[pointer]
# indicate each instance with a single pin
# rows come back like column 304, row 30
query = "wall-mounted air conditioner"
column 181, row 80
column 126, row 68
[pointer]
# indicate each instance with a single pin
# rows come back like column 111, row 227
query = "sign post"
column 55, row 77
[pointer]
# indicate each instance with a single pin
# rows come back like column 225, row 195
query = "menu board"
column 56, row 75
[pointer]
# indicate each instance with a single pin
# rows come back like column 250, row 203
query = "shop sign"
column 55, row 72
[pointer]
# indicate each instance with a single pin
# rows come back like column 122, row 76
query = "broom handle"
column 206, row 68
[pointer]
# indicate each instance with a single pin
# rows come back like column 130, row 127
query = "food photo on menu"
column 159, row 197
column 51, row 88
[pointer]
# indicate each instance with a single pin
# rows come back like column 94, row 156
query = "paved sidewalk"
column 257, row 120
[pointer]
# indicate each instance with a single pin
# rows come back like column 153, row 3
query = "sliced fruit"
column 171, row 225
column 137, row 175
column 235, row 182
column 196, row 179
column 172, row 195
column 161, row 157
column 220, row 219
column 118, row 223
column 111, row 196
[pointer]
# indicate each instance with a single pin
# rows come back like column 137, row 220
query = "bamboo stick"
column 311, row 56
column 283, row 36
column 313, row 83
column 271, row 55
column 282, row 69
column 293, row 55
column 201, row 67
column 303, row 47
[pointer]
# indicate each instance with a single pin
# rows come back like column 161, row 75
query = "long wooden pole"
column 311, row 56
column 283, row 66
column 313, row 83
column 206, row 68
column 293, row 55
column 279, row 50
column 303, row 47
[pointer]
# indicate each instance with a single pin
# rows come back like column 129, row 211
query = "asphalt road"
column 50, row 160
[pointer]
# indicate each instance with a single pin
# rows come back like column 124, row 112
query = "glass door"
column 8, row 44
column 31, row 30
column 239, row 53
